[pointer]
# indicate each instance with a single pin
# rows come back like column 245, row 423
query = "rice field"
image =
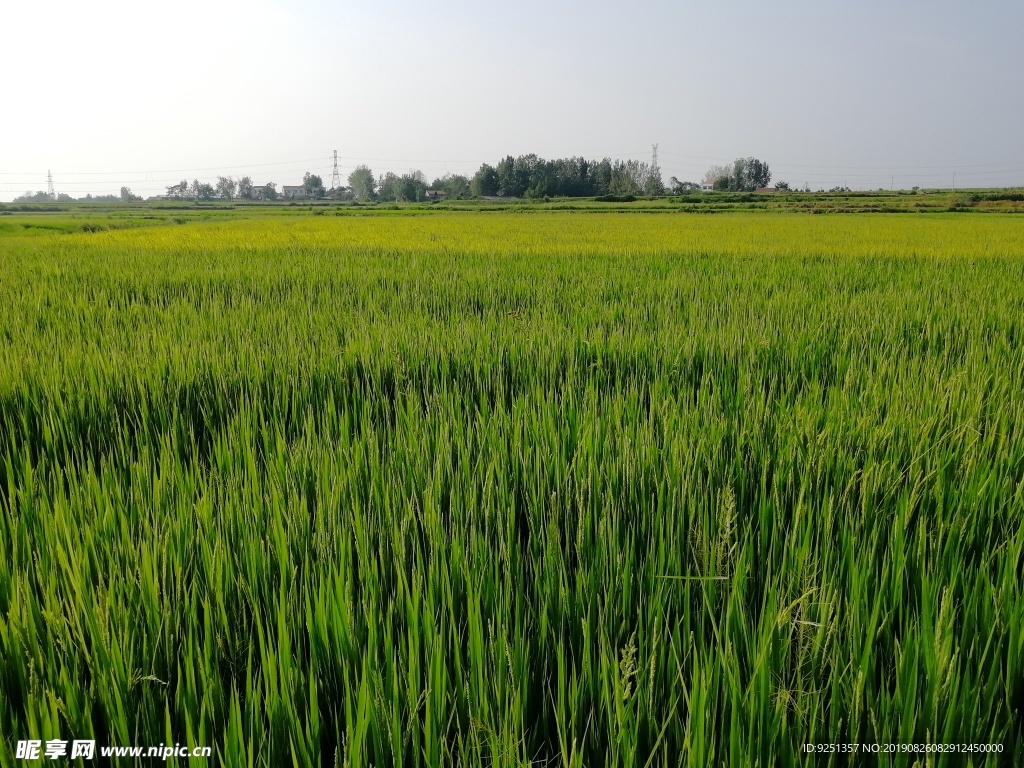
column 516, row 489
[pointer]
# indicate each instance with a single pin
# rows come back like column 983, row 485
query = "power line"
column 173, row 170
column 105, row 182
column 888, row 170
column 784, row 168
column 1001, row 164
column 949, row 166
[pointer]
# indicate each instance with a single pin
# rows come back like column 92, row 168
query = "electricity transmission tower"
column 654, row 184
column 49, row 186
column 336, row 176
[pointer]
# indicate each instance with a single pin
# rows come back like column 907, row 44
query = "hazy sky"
column 115, row 92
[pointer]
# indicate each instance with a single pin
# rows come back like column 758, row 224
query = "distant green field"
column 552, row 489
column 180, row 211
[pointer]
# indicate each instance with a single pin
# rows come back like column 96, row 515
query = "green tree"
column 179, row 190
column 748, row 174
column 407, row 188
column 363, row 185
column 738, row 178
column 719, row 176
column 758, row 173
column 387, row 189
column 653, row 183
column 514, row 175
column 484, row 182
column 454, row 186
column 682, row 187
column 540, row 176
column 313, row 185
column 601, row 177
column 573, row 177
column 34, row 197
column 414, row 186
column 630, row 177
column 226, row 187
column 245, row 188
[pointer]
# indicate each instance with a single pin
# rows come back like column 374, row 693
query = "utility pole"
column 49, row 186
column 954, row 181
column 336, row 175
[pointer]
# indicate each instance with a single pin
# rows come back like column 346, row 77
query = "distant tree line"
column 228, row 188
column 524, row 176
column 528, row 176
column 126, row 196
column 532, row 176
column 198, row 190
column 36, row 197
column 391, row 187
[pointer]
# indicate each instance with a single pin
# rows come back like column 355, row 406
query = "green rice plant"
column 576, row 488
